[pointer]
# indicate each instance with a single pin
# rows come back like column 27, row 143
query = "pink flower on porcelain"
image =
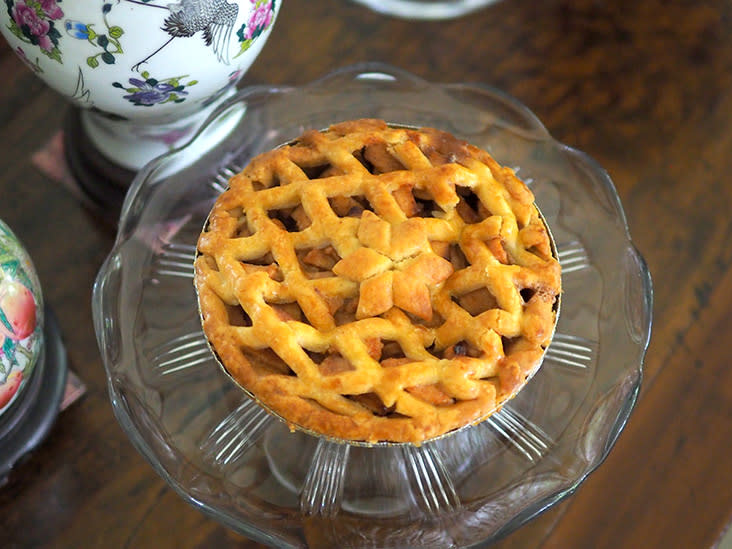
column 45, row 42
column 172, row 137
column 260, row 19
column 51, row 9
column 23, row 57
column 26, row 16
column 234, row 76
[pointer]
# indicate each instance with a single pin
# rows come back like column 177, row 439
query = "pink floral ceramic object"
column 34, row 22
column 21, row 318
column 139, row 67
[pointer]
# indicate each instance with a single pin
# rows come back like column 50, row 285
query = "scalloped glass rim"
column 592, row 372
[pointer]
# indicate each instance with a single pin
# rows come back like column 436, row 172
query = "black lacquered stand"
column 26, row 424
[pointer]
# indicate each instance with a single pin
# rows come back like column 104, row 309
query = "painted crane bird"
column 215, row 18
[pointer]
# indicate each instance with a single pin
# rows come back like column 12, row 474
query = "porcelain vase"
column 144, row 73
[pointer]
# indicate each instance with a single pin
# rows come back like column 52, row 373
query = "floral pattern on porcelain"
column 21, row 318
column 151, row 91
column 32, row 65
column 259, row 21
column 146, row 36
column 109, row 42
column 126, row 58
column 34, row 22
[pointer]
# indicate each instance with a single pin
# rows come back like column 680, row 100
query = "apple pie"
column 374, row 283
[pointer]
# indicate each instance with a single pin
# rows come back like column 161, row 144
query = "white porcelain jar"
column 146, row 72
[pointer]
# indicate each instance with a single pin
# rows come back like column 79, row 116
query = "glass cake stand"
column 226, row 456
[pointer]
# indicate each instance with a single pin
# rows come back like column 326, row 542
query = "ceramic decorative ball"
column 144, row 72
column 21, row 318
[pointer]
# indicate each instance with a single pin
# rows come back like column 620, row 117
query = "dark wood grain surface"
column 645, row 87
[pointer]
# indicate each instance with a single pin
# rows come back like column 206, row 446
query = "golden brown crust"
column 371, row 283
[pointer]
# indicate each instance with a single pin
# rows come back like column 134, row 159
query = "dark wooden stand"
column 103, row 182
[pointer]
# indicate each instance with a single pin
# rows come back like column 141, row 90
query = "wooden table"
column 643, row 87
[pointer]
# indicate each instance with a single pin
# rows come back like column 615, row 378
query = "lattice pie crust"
column 372, row 283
